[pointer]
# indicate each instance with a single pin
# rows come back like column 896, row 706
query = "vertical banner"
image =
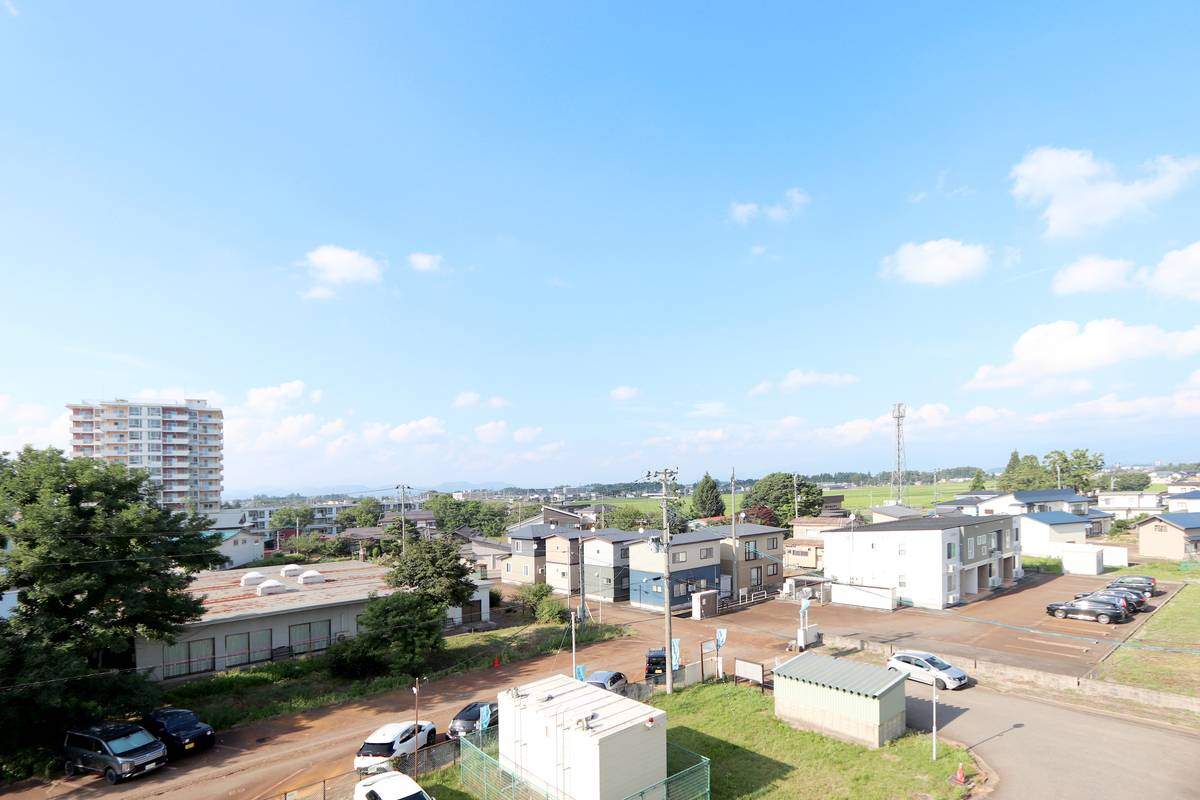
column 720, row 637
column 580, row 671
column 485, row 716
column 674, row 654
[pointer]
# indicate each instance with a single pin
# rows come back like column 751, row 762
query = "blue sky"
column 550, row 243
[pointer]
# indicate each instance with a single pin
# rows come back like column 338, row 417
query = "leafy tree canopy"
column 1131, row 481
column 774, row 491
column 977, row 481
column 1078, row 469
column 299, row 517
column 433, row 567
column 706, row 498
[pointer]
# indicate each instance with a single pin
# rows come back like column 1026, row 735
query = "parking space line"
column 1054, row 644
column 1055, row 653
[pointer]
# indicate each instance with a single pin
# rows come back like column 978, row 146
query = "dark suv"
column 180, row 730
column 1101, row 611
column 1139, row 583
column 1134, row 600
column 116, row 750
column 656, row 665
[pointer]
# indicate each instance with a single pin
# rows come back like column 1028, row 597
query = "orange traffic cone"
column 960, row 777
column 496, row 663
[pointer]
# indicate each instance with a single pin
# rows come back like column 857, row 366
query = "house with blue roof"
column 1184, row 502
column 1036, row 500
column 1042, row 529
column 1173, row 536
column 240, row 542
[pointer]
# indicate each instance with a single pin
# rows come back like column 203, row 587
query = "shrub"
column 28, row 761
column 495, row 597
column 354, row 658
column 531, row 595
column 549, row 610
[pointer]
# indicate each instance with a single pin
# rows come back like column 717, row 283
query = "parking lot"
column 1011, row 627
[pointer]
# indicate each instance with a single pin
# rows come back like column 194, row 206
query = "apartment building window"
column 135, row 448
column 135, row 423
column 507, row 567
column 656, row 588
column 751, row 551
column 155, row 459
column 624, row 552
column 773, row 543
column 516, row 547
column 247, row 648
column 154, row 412
column 950, row 548
column 309, row 637
column 1016, row 534
column 900, row 549
column 902, row 581
column 135, row 435
column 525, row 570
column 135, row 411
column 155, row 435
column 1007, row 539
column 772, row 569
column 679, row 557
column 135, row 459
column 188, row 658
column 155, row 447
column 970, row 549
column 706, row 552
column 679, row 590
column 756, row 576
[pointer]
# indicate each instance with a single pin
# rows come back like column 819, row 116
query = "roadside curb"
column 991, row 778
column 1122, row 715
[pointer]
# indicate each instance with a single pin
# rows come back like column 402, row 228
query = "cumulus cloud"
column 417, row 429
column 937, row 262
column 714, row 408
column 474, row 399
column 741, row 213
column 793, row 202
column 762, row 387
column 537, row 454
column 758, row 250
column 1093, row 274
column 425, row 262
column 32, row 424
column 622, row 393
column 796, row 379
column 1080, row 193
column 1065, row 347
column 856, row 431
column 526, row 434
column 492, row 432
column 272, row 398
column 331, row 266
column 1178, row 274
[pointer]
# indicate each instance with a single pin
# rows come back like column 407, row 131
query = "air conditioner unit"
column 993, row 582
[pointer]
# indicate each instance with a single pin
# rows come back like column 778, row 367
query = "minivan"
column 116, row 750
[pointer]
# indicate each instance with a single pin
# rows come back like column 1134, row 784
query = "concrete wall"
column 914, row 563
column 642, row 585
column 871, row 721
column 242, row 549
column 864, row 596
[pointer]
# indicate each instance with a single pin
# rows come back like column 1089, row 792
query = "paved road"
column 1045, row 750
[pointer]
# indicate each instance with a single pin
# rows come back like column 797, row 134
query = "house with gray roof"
column 240, row 543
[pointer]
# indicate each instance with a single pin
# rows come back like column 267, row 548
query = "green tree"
column 631, row 518
column 1129, row 481
column 1008, row 478
column 298, row 517
column 1032, row 474
column 977, row 482
column 433, row 567
column 775, row 491
column 1076, row 470
column 707, row 500
column 404, row 627
column 365, row 513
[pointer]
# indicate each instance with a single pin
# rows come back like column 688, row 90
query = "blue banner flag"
column 674, row 654
column 720, row 637
column 485, row 716
column 580, row 671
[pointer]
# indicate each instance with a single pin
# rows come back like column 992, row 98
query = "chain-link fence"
column 341, row 787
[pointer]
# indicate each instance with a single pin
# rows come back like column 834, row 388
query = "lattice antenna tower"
column 898, row 412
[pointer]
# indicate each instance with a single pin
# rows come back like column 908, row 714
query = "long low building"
column 253, row 616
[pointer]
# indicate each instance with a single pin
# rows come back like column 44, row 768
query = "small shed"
column 571, row 739
column 848, row 700
column 1082, row 559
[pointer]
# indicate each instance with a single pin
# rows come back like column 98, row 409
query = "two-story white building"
column 1127, row 505
column 1183, row 503
column 1035, row 500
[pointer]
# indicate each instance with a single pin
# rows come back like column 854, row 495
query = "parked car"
column 1133, row 600
column 927, row 668
column 467, row 720
column 1145, row 584
column 389, row 786
column 180, row 730
column 116, row 750
column 391, row 740
column 609, row 681
column 656, row 663
column 1089, row 608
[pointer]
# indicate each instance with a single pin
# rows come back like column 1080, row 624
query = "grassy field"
column 1175, row 624
column 754, row 755
column 1043, row 563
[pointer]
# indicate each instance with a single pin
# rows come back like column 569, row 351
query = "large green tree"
column 706, row 499
column 450, row 514
column 1130, row 481
column 1076, row 470
column 366, row 513
column 433, row 567
column 298, row 517
column 977, row 482
column 775, row 491
column 1008, row 478
column 406, row 627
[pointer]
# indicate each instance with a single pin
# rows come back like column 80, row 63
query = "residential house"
column 1036, row 500
column 1183, row 502
column 929, row 562
column 527, row 562
column 1099, row 522
column 593, row 516
column 605, row 562
column 1127, row 505
column 804, row 554
column 964, row 505
column 831, row 506
column 1173, row 536
column 562, row 560
column 487, row 556
column 1184, row 485
column 894, row 513
column 550, row 515
column 419, row 519
column 240, row 544
column 695, row 566
column 1041, row 529
column 252, row 616
column 753, row 562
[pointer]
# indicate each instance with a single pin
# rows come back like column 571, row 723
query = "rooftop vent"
column 270, row 587
column 290, row 571
column 253, row 578
column 311, row 576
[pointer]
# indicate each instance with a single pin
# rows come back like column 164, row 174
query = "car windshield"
column 470, row 713
column 179, row 719
column 936, row 662
column 125, row 744
column 375, row 749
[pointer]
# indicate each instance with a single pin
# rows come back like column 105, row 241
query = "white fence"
column 882, row 597
column 1114, row 555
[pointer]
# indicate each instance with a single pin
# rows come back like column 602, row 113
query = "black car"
column 1134, row 600
column 1089, row 608
column 180, row 730
column 467, row 720
column 1139, row 583
column 656, row 664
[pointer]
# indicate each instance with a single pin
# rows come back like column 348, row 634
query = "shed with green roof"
column 848, row 700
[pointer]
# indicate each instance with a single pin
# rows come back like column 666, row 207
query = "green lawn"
column 1163, row 570
column 1043, row 563
column 1175, row 624
column 756, row 756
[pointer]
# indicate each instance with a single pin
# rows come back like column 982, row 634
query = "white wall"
column 1184, row 506
column 864, row 596
column 242, row 549
column 1037, row 537
column 485, row 605
column 883, row 558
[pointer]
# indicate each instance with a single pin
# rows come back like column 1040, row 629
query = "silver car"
column 116, row 750
column 927, row 668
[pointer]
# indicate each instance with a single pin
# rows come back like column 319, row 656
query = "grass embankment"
column 1177, row 624
column 754, row 755
column 1043, row 563
column 285, row 687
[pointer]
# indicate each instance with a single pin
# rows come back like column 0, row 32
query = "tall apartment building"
column 179, row 444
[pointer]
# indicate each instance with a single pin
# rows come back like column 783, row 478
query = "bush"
column 354, row 658
column 531, row 595
column 275, row 560
column 549, row 611
column 495, row 597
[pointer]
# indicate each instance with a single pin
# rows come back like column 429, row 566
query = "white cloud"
column 1064, row 347
column 622, row 393
column 1194, row 379
column 799, row 378
column 937, row 262
column 32, row 424
column 416, row 430
column 331, row 266
column 315, row 395
column 492, row 432
column 758, row 250
column 1081, row 194
column 272, row 398
column 536, row 455
column 176, row 394
column 425, row 262
column 987, row 414
column 333, row 427
column 855, row 431
column 466, row 400
column 1093, row 274
column 496, row 401
column 526, row 435
column 11, row 8
column 762, row 387
column 1178, row 274
column 715, row 408
column 741, row 213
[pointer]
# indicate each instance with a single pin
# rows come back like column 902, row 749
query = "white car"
column 391, row 740
column 389, row 786
column 927, row 668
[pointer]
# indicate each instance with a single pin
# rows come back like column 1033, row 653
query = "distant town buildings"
column 181, row 445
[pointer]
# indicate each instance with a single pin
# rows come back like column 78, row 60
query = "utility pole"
column 582, row 605
column 733, row 578
column 935, row 720
column 795, row 498
column 1058, row 474
column 574, row 668
column 403, row 517
column 667, row 477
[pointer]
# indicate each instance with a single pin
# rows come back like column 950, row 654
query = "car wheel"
column 1060, row 614
column 69, row 769
column 111, row 776
column 1103, row 619
column 941, row 684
